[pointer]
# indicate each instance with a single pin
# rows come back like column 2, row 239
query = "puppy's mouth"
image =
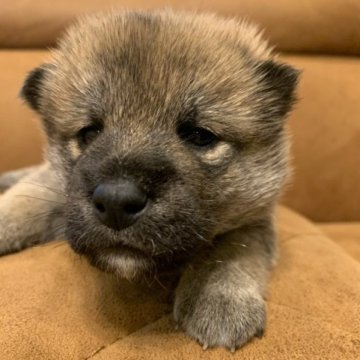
column 162, row 239
column 122, row 260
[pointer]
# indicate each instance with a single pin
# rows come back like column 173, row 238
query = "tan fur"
column 74, row 149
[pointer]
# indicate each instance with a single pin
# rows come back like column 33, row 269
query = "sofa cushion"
column 307, row 25
column 55, row 306
column 345, row 234
column 20, row 135
column 326, row 139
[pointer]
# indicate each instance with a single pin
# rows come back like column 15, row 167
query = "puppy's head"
column 167, row 129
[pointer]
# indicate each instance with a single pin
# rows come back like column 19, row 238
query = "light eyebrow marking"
column 74, row 149
column 218, row 154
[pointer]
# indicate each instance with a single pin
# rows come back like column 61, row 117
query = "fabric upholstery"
column 346, row 235
column 55, row 306
column 326, row 139
column 331, row 26
column 20, row 135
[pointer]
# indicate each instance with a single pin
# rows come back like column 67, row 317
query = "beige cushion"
column 55, row 306
column 326, row 133
column 345, row 234
column 20, row 134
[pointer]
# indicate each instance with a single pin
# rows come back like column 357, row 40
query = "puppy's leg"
column 10, row 178
column 31, row 211
column 220, row 297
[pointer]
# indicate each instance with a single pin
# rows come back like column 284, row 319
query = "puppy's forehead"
column 193, row 36
column 162, row 59
column 159, row 47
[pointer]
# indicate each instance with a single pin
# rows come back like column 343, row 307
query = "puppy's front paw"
column 218, row 316
column 10, row 178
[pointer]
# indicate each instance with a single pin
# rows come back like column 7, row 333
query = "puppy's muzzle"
column 120, row 204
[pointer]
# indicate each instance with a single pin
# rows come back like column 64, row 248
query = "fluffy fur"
column 140, row 77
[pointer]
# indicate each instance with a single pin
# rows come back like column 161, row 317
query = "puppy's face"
column 166, row 130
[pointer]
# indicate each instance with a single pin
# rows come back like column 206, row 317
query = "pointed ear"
column 31, row 90
column 280, row 81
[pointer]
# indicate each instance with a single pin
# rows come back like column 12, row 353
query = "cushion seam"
column 353, row 335
column 294, row 236
column 105, row 346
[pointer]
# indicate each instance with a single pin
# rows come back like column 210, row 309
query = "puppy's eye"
column 197, row 136
column 88, row 134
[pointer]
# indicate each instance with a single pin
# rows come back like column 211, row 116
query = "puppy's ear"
column 31, row 90
column 280, row 81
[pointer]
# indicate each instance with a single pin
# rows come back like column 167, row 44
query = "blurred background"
column 320, row 37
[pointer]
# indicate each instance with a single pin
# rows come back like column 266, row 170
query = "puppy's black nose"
column 118, row 205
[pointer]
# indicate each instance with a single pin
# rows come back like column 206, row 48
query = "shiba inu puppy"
column 166, row 150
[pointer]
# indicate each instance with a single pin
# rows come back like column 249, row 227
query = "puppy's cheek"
column 218, row 155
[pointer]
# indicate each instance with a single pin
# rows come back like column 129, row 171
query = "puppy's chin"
column 123, row 262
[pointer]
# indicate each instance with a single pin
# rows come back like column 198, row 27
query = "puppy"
column 166, row 150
